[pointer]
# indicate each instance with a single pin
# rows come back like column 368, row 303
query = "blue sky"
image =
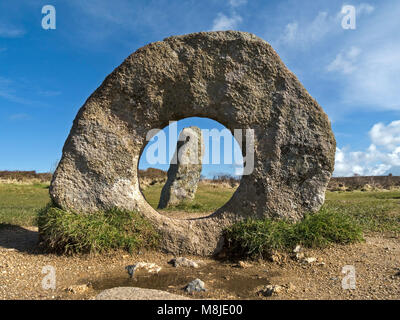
column 46, row 75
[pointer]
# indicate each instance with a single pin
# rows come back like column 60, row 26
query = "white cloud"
column 102, row 21
column 365, row 163
column 8, row 92
column 306, row 33
column 345, row 61
column 291, row 31
column 386, row 136
column 17, row 91
column 49, row 93
column 364, row 8
column 381, row 157
column 10, row 96
column 7, row 31
column 370, row 78
column 377, row 79
column 18, row 116
column 237, row 3
column 223, row 22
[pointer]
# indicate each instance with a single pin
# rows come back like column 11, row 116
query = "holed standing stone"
column 185, row 169
column 235, row 78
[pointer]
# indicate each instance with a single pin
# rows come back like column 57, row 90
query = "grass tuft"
column 259, row 238
column 68, row 232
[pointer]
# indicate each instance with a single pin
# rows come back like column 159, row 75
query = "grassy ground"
column 375, row 211
column 343, row 218
column 208, row 198
column 19, row 203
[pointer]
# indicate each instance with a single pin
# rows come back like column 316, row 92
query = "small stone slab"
column 134, row 293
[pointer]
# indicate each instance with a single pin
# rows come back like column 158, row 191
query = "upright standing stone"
column 185, row 169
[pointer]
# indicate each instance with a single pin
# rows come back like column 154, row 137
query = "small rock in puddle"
column 183, row 262
column 195, row 286
column 131, row 270
column 149, row 267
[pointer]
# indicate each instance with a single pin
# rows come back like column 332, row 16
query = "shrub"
column 153, row 173
column 261, row 237
column 25, row 175
column 69, row 232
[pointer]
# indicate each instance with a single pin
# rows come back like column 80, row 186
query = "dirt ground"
column 376, row 263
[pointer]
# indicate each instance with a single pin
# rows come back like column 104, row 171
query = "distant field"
column 377, row 211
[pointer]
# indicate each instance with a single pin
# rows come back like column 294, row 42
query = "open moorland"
column 373, row 249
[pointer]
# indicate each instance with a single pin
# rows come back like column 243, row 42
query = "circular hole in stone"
column 198, row 179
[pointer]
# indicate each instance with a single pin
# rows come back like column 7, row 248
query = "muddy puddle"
column 221, row 281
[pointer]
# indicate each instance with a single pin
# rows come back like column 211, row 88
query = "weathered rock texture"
column 185, row 169
column 235, row 78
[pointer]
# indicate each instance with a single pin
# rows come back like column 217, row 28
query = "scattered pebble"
column 302, row 258
column 81, row 288
column 290, row 287
column 297, row 249
column 270, row 290
column 310, row 260
column 299, row 256
column 244, row 264
column 277, row 257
